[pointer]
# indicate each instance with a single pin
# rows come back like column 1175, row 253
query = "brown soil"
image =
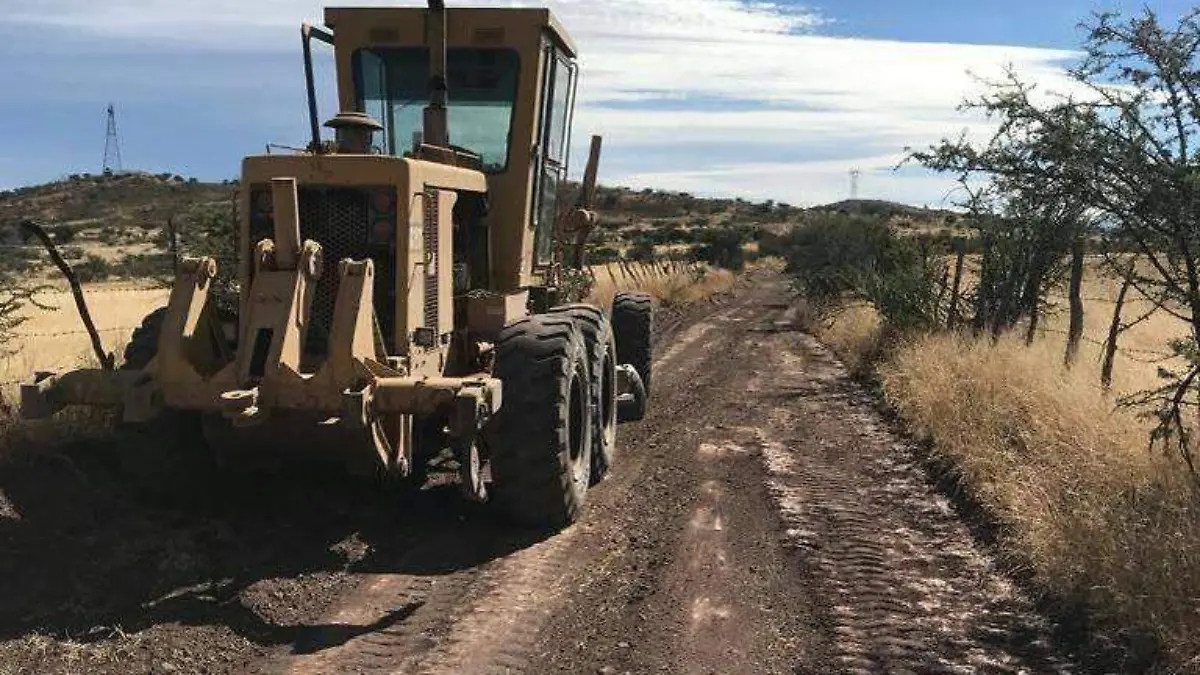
column 762, row 519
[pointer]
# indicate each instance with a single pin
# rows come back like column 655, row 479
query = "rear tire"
column 633, row 325
column 602, row 368
column 540, row 441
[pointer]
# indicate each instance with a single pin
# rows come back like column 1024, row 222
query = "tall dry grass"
column 854, row 332
column 667, row 285
column 1142, row 347
column 1098, row 521
column 55, row 340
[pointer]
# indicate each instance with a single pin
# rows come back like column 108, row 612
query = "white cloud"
column 679, row 77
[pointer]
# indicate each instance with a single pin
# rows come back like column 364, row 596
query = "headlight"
column 383, row 216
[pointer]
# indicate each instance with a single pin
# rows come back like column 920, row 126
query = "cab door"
column 553, row 155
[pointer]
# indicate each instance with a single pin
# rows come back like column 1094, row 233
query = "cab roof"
column 487, row 25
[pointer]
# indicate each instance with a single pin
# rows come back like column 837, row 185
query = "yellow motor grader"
column 403, row 288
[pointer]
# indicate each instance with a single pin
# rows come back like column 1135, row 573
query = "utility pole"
column 112, row 145
column 854, row 176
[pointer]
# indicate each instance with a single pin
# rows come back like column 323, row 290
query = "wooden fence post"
column 173, row 244
column 960, row 251
column 943, row 287
column 1075, row 331
column 983, row 288
column 1114, row 330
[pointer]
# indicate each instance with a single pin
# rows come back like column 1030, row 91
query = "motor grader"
column 404, row 288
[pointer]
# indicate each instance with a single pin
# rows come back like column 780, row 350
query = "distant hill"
column 116, row 225
column 124, row 200
column 111, row 225
column 879, row 207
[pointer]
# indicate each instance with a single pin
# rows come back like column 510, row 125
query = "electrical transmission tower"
column 855, row 174
column 112, row 145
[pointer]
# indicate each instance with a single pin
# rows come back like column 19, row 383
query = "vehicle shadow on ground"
column 86, row 552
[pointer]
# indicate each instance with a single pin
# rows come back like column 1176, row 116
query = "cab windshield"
column 393, row 85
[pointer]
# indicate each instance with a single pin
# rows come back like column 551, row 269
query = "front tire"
column 540, row 441
column 143, row 343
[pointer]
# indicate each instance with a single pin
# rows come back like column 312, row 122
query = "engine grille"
column 339, row 219
column 432, row 273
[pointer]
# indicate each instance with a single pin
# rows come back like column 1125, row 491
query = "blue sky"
column 778, row 100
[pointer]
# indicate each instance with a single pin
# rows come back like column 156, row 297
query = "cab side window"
column 558, row 103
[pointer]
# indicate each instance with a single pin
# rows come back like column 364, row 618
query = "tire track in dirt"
column 525, row 588
column 693, row 585
column 480, row 619
column 790, row 532
column 900, row 584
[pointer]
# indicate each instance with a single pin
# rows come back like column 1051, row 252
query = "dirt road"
column 763, row 519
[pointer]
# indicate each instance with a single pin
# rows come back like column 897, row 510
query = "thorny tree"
column 1027, row 218
column 1124, row 156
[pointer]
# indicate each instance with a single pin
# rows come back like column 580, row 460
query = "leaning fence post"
column 1114, row 331
column 107, row 360
column 1075, row 330
column 960, row 251
column 943, row 287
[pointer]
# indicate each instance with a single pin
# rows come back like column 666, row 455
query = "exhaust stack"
column 437, row 125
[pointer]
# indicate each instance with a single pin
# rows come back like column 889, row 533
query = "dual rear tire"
column 555, row 433
column 601, row 349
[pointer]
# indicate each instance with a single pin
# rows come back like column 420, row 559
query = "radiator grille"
column 432, row 273
column 339, row 219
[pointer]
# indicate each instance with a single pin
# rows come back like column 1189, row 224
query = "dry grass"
column 38, row 653
column 56, row 340
column 1141, row 347
column 1100, row 522
column 667, row 285
column 853, row 332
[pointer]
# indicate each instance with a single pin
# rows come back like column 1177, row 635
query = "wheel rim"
column 608, row 396
column 577, row 406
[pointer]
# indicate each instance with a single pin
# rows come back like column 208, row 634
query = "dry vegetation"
column 1105, row 527
column 55, row 339
column 667, row 285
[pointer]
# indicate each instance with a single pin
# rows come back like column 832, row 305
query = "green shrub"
column 603, row 255
column 723, row 246
column 640, row 252
column 146, row 266
column 62, row 234
column 839, row 256
column 93, row 268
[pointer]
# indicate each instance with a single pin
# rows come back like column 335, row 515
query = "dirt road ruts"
column 782, row 528
column 762, row 519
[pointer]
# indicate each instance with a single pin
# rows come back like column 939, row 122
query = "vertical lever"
column 588, row 192
column 587, row 196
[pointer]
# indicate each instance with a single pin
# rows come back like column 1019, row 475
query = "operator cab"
column 511, row 77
